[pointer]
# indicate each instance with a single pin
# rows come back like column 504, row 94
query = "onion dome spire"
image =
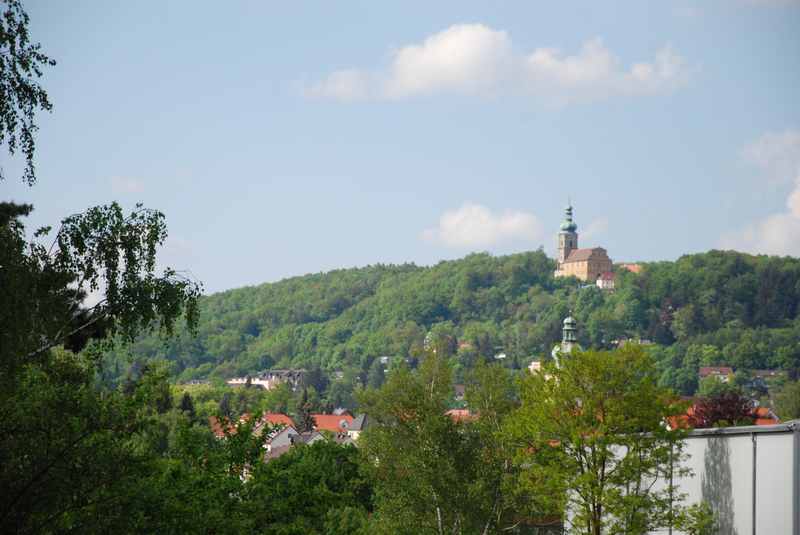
column 568, row 225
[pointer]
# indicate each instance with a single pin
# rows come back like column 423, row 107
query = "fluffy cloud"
column 123, row 185
column 778, row 156
column 473, row 225
column 469, row 58
column 477, row 60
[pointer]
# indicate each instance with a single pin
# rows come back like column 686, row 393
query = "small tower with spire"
column 568, row 236
column 569, row 339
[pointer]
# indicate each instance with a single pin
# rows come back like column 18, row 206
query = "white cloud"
column 123, row 185
column 777, row 154
column 474, row 225
column 595, row 228
column 469, row 58
column 478, row 60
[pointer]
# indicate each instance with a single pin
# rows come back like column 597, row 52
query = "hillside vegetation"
column 704, row 309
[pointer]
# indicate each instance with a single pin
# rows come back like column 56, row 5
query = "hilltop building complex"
column 591, row 265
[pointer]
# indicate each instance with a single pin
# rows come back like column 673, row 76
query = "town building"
column 270, row 379
column 606, row 280
column 720, row 373
column 585, row 264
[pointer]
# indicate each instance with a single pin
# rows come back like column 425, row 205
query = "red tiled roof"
column 607, row 276
column 332, row 422
column 276, row 418
column 705, row 371
column 633, row 268
column 580, row 255
column 218, row 427
column 461, row 415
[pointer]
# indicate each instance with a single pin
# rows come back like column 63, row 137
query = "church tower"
column 568, row 237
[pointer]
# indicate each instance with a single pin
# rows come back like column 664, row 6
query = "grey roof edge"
column 785, row 427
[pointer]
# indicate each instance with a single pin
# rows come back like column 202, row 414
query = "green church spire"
column 568, row 225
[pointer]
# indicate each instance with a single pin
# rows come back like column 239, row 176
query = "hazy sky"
column 282, row 138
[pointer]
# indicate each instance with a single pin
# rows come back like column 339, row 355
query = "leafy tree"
column 317, row 488
column 376, row 374
column 304, row 421
column 787, row 402
column 725, row 408
column 697, row 519
column 225, row 408
column 278, row 399
column 80, row 464
column 187, row 406
column 21, row 64
column 592, row 435
column 421, row 461
column 492, row 395
column 712, row 386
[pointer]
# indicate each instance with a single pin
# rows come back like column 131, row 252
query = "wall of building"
column 750, row 476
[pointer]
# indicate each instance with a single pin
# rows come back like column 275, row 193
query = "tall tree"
column 592, row 435
column 66, row 445
column 321, row 487
column 422, row 462
column 492, row 396
column 304, row 420
column 722, row 409
column 787, row 402
column 187, row 405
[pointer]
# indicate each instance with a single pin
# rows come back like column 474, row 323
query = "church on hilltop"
column 590, row 265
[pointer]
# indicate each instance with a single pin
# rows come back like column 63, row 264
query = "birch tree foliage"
column 21, row 95
column 593, row 433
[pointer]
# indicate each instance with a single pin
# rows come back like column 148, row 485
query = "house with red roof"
column 335, row 423
column 461, row 415
column 722, row 373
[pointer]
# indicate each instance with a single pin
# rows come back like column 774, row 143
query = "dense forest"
column 715, row 308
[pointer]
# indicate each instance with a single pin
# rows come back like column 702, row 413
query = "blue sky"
column 287, row 138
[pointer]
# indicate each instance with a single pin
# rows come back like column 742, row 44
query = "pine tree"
column 305, row 421
column 187, row 405
column 225, row 405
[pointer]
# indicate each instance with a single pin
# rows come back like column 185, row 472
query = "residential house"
column 721, row 373
column 461, row 415
column 335, row 423
column 606, row 280
column 357, row 426
column 270, row 379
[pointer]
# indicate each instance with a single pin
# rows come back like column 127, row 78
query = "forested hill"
column 704, row 309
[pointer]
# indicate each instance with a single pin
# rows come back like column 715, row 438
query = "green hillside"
column 705, row 309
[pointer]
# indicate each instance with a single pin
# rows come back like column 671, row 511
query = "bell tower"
column 568, row 237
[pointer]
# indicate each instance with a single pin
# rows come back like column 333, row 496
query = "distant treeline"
column 720, row 307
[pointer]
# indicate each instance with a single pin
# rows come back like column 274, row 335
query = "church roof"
column 580, row 255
